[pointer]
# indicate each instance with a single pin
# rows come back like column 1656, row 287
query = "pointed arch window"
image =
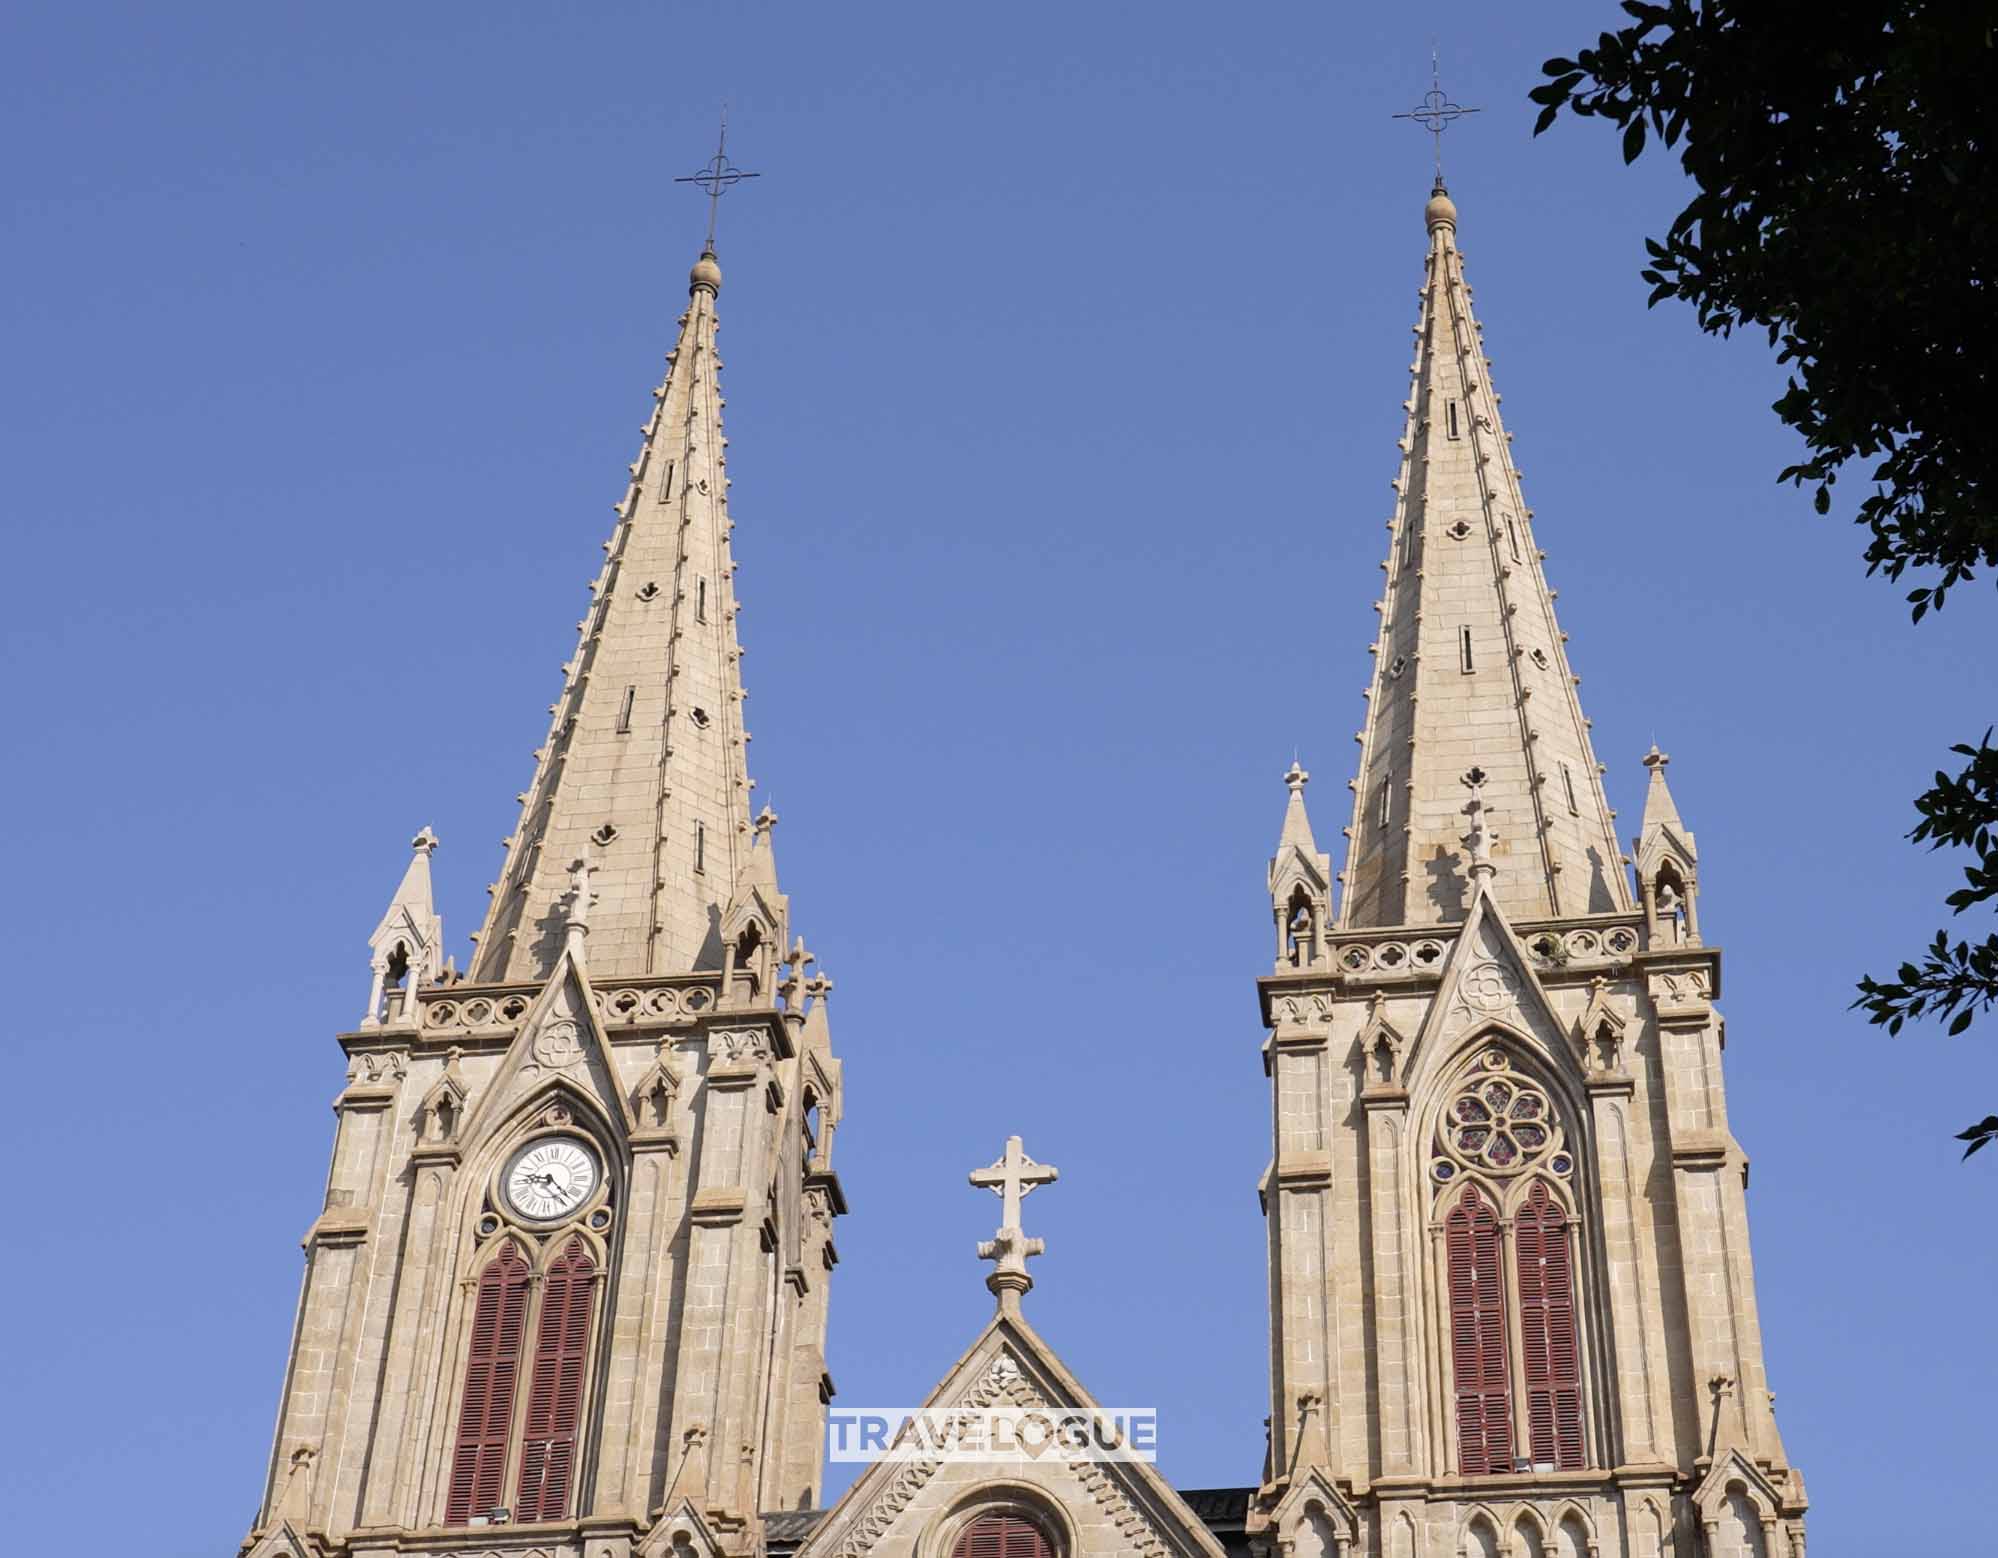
column 555, row 1399
column 1515, row 1341
column 1550, row 1348
column 485, row 1421
column 1477, row 1335
column 1002, row 1536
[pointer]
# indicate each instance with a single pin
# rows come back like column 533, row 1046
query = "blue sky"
column 1065, row 349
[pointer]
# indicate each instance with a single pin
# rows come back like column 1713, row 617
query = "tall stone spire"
column 1470, row 668
column 644, row 771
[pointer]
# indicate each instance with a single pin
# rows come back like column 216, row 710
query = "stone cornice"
column 718, row 1207
column 828, row 1181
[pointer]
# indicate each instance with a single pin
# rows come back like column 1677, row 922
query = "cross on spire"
column 1012, row 1179
column 1436, row 113
column 718, row 177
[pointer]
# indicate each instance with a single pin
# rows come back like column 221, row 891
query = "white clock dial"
column 550, row 1178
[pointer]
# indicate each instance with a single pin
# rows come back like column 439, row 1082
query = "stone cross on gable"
column 1012, row 1178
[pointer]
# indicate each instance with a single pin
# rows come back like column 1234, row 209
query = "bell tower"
column 1512, row 1305
column 567, row 1293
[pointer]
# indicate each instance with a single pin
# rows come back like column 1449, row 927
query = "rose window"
column 1498, row 1122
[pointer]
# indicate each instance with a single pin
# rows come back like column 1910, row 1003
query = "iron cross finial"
column 718, row 177
column 1436, row 113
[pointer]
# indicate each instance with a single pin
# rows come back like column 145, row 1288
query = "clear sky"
column 1065, row 349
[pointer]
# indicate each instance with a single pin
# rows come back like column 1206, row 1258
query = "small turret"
column 1668, row 878
column 1300, row 883
column 408, row 945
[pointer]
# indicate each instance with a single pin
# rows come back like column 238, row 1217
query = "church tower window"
column 555, row 1400
column 485, row 1421
column 1497, row 1125
column 1002, row 1536
column 1552, row 1356
column 1477, row 1336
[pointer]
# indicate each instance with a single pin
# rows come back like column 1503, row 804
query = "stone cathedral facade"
column 567, row 1297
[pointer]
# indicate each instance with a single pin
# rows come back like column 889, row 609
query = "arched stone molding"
column 1574, row 1532
column 1481, row 1534
column 1573, row 1192
column 483, row 1222
column 1441, row 1083
column 1000, row 1496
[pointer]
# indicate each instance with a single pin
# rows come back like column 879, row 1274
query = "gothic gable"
column 560, row 1047
column 681, row 1533
column 1097, row 1509
column 1487, row 982
column 1315, row 1517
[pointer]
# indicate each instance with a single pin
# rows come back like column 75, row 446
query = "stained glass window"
column 1500, row 1121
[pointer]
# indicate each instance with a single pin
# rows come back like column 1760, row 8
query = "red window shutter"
column 1547, row 1331
column 555, row 1399
column 478, row 1465
column 1002, row 1536
column 1477, row 1336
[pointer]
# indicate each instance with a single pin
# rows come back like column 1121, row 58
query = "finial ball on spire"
column 1441, row 210
column 706, row 274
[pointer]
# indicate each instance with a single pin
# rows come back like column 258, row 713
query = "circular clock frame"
column 503, row 1186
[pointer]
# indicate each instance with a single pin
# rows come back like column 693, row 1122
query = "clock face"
column 550, row 1178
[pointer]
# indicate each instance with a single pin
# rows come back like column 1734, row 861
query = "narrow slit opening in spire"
column 1465, row 660
column 624, row 711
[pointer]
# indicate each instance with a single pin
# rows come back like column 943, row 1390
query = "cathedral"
column 567, row 1296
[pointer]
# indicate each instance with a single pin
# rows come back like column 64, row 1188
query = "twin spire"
column 644, row 774
column 1470, row 666
column 644, row 779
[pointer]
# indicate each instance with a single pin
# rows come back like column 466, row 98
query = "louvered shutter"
column 555, row 1399
column 1477, row 1336
column 1547, row 1331
column 478, row 1464
column 1002, row 1536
